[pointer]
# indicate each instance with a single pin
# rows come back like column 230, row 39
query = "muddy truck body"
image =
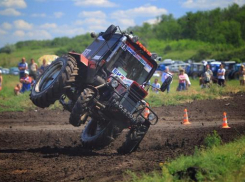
column 103, row 88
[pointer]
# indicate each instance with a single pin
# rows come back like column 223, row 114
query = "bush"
column 8, row 49
column 212, row 140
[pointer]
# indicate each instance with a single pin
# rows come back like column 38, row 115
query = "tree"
column 8, row 48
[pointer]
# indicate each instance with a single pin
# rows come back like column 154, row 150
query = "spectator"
column 22, row 67
column 187, row 81
column 207, row 77
column 242, row 75
column 32, row 82
column 26, row 82
column 44, row 66
column 221, row 75
column 33, row 69
column 156, row 86
column 1, row 80
column 182, row 81
column 165, row 75
column 17, row 89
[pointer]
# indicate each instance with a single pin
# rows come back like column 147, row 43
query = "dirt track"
column 41, row 145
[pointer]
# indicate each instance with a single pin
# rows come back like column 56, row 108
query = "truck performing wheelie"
column 103, row 88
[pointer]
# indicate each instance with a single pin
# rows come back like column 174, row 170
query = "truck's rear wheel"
column 50, row 85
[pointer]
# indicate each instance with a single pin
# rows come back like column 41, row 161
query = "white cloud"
column 23, row 25
column 79, row 22
column 48, row 26
column 94, row 21
column 13, row 3
column 125, row 23
column 6, row 26
column 38, row 35
column 93, row 14
column 58, row 14
column 210, row 4
column 41, row 15
column 10, row 12
column 97, row 28
column 126, row 18
column 2, row 32
column 152, row 21
column 99, row 3
column 143, row 11
column 19, row 33
column 68, row 30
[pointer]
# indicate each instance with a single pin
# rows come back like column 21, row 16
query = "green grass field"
column 10, row 102
column 213, row 162
column 12, row 60
column 195, row 92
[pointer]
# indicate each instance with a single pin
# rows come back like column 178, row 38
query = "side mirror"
column 93, row 35
column 166, row 83
column 154, row 56
column 109, row 32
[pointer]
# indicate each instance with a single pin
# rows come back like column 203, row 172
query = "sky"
column 22, row 20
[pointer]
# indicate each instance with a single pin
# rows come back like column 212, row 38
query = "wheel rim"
column 49, row 77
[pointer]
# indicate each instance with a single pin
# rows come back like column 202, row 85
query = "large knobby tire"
column 80, row 107
column 50, row 85
column 133, row 139
column 98, row 134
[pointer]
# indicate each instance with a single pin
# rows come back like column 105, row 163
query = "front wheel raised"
column 50, row 85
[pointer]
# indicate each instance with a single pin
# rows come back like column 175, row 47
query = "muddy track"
column 40, row 145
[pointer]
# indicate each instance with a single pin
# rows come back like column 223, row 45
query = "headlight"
column 151, row 117
column 114, row 83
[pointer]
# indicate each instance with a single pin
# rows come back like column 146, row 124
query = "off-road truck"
column 104, row 85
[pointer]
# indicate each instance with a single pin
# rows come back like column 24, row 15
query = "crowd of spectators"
column 206, row 79
column 27, row 75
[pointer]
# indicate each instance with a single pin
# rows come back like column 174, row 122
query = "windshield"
column 127, row 63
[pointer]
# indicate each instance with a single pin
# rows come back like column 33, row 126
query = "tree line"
column 220, row 31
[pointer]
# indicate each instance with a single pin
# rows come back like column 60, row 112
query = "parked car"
column 14, row 71
column 5, row 71
column 229, row 67
column 214, row 66
column 234, row 73
column 174, row 68
column 195, row 70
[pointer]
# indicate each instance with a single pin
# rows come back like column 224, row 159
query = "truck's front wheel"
column 80, row 107
column 98, row 134
column 50, row 85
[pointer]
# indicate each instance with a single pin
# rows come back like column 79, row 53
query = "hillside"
column 217, row 34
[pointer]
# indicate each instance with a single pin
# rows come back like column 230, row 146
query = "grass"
column 10, row 102
column 12, row 60
column 195, row 92
column 215, row 163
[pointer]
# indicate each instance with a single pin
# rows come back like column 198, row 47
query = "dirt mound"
column 40, row 145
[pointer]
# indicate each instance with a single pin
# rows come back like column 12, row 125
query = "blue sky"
column 46, row 19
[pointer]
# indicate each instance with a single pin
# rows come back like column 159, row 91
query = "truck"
column 104, row 88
